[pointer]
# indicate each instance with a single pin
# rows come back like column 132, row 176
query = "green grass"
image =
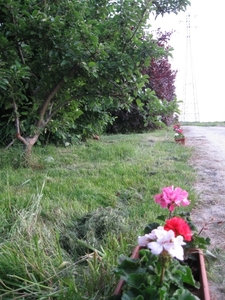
column 211, row 124
column 65, row 221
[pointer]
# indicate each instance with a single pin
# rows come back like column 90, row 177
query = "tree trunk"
column 28, row 146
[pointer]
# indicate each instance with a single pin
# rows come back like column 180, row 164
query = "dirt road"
column 209, row 163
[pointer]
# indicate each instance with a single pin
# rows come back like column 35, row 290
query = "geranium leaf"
column 150, row 227
column 188, row 278
column 162, row 217
column 126, row 262
column 151, row 292
column 137, row 280
column 128, row 297
column 183, row 294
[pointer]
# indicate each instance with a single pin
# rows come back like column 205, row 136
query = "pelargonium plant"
column 178, row 134
column 176, row 126
column 161, row 272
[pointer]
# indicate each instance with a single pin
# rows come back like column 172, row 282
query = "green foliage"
column 169, row 6
column 142, row 278
column 60, row 60
column 142, row 116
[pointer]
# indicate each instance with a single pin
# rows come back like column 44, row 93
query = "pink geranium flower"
column 176, row 126
column 172, row 197
column 161, row 200
column 179, row 130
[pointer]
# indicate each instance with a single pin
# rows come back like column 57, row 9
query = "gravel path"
column 209, row 163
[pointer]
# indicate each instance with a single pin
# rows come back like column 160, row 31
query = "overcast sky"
column 208, row 55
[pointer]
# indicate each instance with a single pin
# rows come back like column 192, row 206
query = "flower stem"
column 162, row 273
column 163, row 261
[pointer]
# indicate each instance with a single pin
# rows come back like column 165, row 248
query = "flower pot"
column 180, row 141
column 118, row 290
column 201, row 275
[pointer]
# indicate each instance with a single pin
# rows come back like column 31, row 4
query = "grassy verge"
column 65, row 221
column 212, row 124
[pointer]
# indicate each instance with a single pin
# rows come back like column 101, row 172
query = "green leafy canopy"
column 73, row 56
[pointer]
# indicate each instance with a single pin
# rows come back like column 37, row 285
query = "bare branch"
column 17, row 124
column 57, row 108
column 10, row 144
column 41, row 123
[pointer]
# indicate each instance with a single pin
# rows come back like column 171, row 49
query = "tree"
column 161, row 75
column 161, row 79
column 58, row 57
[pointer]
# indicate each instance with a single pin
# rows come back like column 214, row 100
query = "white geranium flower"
column 178, row 251
column 165, row 240
column 144, row 240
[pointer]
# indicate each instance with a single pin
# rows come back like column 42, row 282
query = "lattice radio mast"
column 189, row 109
